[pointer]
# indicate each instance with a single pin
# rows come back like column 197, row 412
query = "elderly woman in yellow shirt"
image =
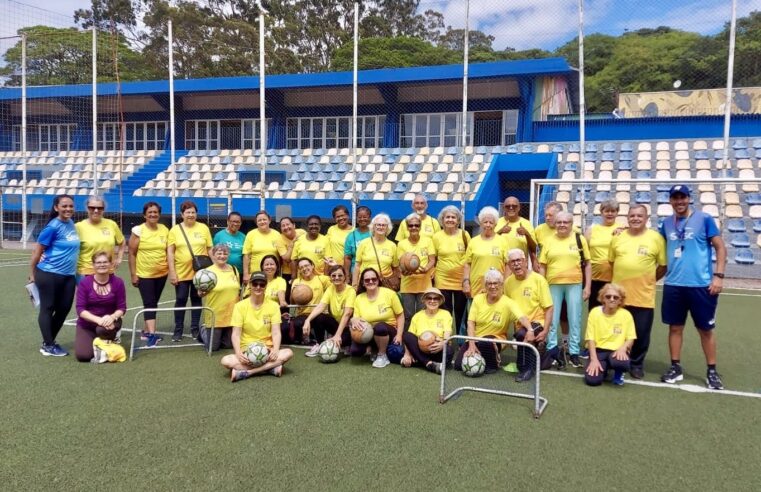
column 217, row 331
column 431, row 319
column 97, row 233
column 259, row 242
column 415, row 282
column 599, row 237
column 486, row 251
column 378, row 252
column 449, row 245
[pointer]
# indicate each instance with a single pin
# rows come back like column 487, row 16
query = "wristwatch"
column 717, row 274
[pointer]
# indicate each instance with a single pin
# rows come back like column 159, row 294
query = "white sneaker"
column 312, row 352
column 381, row 361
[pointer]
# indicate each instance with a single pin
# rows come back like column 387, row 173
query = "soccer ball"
column 328, row 351
column 205, row 280
column 473, row 365
column 257, row 353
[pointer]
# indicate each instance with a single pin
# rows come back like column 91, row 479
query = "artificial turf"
column 172, row 420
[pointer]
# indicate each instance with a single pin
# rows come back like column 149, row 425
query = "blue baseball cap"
column 680, row 188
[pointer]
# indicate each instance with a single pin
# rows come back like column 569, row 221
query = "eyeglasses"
column 515, row 260
column 612, row 297
column 413, row 226
column 337, row 276
column 258, row 285
column 95, row 209
column 512, row 206
column 372, row 280
column 431, row 298
column 102, row 263
column 492, row 284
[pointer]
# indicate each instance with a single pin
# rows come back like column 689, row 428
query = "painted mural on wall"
column 745, row 100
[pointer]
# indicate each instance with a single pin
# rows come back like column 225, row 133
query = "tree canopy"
column 215, row 38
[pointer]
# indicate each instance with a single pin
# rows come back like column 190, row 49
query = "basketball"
column 301, row 294
column 425, row 340
column 257, row 353
column 328, row 351
column 409, row 262
column 204, row 280
column 473, row 365
column 365, row 335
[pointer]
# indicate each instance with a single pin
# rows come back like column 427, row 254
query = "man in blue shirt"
column 233, row 238
column 691, row 285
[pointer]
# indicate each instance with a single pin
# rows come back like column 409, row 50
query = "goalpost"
column 165, row 327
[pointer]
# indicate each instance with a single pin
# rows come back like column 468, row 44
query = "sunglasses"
column 337, row 277
column 431, row 298
column 413, row 226
column 511, row 206
column 612, row 297
column 258, row 285
column 371, row 280
column 95, row 209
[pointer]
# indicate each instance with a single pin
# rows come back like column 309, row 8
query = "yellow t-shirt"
column 543, row 232
column 256, row 323
column 318, row 284
column 338, row 301
column 259, row 245
column 450, row 259
column 103, row 236
column 150, row 260
column 316, row 250
column 599, row 243
column 336, row 240
column 483, row 255
column 532, row 295
column 428, row 227
column 384, row 308
column 515, row 240
column 274, row 286
column 563, row 260
column 493, row 319
column 417, row 283
column 282, row 248
column 222, row 298
column 440, row 323
column 635, row 259
column 610, row 332
column 386, row 254
column 200, row 240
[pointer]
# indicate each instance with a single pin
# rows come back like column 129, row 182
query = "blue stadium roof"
column 518, row 68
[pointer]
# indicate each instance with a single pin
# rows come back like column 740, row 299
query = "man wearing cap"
column 518, row 230
column 531, row 293
column 691, row 284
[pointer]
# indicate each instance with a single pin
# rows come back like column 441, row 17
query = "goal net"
column 165, row 323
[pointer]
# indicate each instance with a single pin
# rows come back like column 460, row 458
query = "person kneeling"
column 434, row 321
column 610, row 336
column 256, row 319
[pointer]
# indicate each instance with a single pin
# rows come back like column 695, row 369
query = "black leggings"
column 183, row 290
column 56, row 298
column 150, row 292
column 455, row 302
column 489, row 352
column 606, row 362
column 380, row 330
column 421, row 358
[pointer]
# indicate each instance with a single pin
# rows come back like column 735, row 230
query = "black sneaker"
column 575, row 361
column 177, row 338
column 713, row 381
column 524, row 376
column 637, row 372
column 194, row 332
column 559, row 358
column 673, row 375
column 434, row 367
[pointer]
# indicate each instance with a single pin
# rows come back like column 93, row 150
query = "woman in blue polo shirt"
column 53, row 270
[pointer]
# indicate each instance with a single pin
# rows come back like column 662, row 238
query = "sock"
column 674, row 362
column 711, row 367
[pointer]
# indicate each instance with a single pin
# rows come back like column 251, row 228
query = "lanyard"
column 680, row 232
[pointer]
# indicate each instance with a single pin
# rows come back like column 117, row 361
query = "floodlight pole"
column 582, row 114
column 95, row 109
column 262, row 113
column 354, row 89
column 728, row 103
column 23, row 142
column 466, row 43
column 172, row 143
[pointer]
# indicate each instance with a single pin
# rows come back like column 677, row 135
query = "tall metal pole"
column 95, row 109
column 23, row 142
column 582, row 113
column 262, row 113
column 728, row 104
column 466, row 44
column 172, row 143
column 354, row 104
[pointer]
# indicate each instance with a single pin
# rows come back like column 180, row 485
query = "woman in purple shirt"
column 101, row 303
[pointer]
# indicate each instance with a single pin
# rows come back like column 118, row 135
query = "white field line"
column 73, row 321
column 691, row 388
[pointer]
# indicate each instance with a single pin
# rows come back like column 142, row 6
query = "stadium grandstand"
column 521, row 126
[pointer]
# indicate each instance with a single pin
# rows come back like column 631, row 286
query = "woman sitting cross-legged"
column 338, row 299
column 431, row 319
column 610, row 336
column 256, row 319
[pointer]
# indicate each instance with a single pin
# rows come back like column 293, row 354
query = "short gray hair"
column 609, row 204
column 450, row 209
column 553, row 204
column 221, row 247
column 96, row 198
column 488, row 211
column 413, row 215
column 493, row 275
column 385, row 217
column 564, row 214
column 516, row 251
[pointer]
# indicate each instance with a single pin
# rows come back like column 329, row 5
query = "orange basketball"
column 425, row 340
column 365, row 335
column 409, row 262
column 301, row 294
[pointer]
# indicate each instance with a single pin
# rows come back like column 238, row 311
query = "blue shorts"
column 701, row 305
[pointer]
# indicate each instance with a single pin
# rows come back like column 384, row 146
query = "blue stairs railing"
column 149, row 171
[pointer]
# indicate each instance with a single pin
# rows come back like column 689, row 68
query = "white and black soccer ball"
column 328, row 351
column 473, row 365
column 204, row 280
column 257, row 353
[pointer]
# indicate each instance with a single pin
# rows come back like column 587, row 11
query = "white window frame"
column 109, row 135
column 45, row 137
column 332, row 132
column 408, row 134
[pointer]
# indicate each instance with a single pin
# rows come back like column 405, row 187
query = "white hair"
column 413, row 215
column 486, row 212
column 516, row 252
column 564, row 215
column 493, row 275
column 386, row 218
column 449, row 209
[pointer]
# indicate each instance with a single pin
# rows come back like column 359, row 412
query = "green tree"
column 393, row 52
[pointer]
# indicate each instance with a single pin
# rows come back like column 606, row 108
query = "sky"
column 519, row 24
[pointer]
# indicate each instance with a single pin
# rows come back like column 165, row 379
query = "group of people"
column 510, row 275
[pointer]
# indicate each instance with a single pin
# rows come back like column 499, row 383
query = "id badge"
column 678, row 253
